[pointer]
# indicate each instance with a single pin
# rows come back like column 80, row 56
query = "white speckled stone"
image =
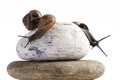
column 64, row 41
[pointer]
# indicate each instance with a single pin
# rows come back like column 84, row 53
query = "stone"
column 64, row 41
column 56, row 70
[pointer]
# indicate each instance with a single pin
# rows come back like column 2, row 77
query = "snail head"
column 31, row 19
column 82, row 25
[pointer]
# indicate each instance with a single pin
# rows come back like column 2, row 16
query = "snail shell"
column 44, row 24
column 31, row 19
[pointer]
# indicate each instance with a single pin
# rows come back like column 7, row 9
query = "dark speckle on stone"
column 22, row 45
column 26, row 54
column 39, row 52
column 32, row 48
column 66, row 24
column 60, row 50
column 17, row 51
column 49, row 41
column 33, row 54
column 50, row 45
column 36, row 50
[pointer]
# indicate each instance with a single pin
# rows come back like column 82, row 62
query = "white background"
column 101, row 16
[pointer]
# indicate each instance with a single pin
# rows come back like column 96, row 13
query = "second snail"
column 44, row 23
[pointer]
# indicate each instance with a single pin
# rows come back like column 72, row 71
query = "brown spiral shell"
column 31, row 19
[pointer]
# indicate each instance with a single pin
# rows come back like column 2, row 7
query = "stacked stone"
column 56, row 56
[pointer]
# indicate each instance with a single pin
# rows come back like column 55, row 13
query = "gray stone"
column 57, row 70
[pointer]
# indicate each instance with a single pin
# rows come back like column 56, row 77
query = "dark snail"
column 92, row 40
column 35, row 20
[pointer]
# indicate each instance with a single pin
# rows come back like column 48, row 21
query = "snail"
column 92, row 40
column 34, row 20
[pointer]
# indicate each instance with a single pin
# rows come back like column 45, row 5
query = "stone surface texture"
column 56, row 70
column 64, row 41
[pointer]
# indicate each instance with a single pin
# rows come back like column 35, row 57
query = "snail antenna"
column 40, row 13
column 100, row 47
column 26, row 44
column 102, row 50
column 104, row 38
column 23, row 36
